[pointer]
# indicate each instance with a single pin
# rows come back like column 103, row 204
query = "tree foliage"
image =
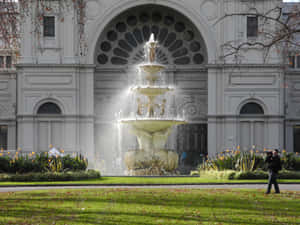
column 14, row 13
column 278, row 28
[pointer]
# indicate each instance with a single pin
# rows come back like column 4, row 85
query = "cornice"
column 8, row 72
column 294, row 72
column 241, row 117
column 32, row 65
column 255, row 66
column 167, row 69
column 63, row 116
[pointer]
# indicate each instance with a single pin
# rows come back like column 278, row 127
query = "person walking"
column 274, row 165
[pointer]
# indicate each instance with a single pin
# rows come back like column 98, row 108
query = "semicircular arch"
column 195, row 19
column 257, row 101
column 48, row 100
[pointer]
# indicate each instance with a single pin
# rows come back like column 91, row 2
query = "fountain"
column 151, row 130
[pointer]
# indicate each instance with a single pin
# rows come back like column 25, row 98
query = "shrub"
column 290, row 161
column 250, row 175
column 297, row 164
column 41, row 162
column 49, row 176
column 234, row 160
column 247, row 161
column 4, row 164
column 286, row 174
column 256, row 175
column 74, row 164
column 194, row 173
column 225, row 174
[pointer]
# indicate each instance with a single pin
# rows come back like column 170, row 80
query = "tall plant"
column 246, row 161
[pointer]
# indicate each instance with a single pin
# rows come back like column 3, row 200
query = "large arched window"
column 123, row 40
column 251, row 108
column 49, row 108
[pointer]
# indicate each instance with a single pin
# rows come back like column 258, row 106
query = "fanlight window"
column 252, row 108
column 49, row 108
column 122, row 41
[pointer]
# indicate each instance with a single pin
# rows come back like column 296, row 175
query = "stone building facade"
column 59, row 96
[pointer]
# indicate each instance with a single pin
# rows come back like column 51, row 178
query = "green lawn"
column 150, row 206
column 147, row 180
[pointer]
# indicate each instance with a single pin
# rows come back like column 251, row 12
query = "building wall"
column 68, row 86
column 8, row 106
column 52, row 69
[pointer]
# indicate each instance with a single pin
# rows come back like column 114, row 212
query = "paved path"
column 289, row 187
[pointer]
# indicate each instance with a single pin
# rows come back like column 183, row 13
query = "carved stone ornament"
column 210, row 9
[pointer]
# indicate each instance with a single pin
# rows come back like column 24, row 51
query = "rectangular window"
column 1, row 61
column 49, row 26
column 3, row 137
column 296, row 138
column 8, row 61
column 291, row 61
column 13, row 28
column 298, row 61
column 252, row 26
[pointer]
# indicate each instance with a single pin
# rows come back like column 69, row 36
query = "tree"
column 9, row 34
column 277, row 28
column 13, row 13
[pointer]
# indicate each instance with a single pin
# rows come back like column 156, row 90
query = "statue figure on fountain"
column 151, row 105
column 163, row 106
column 150, row 49
column 139, row 107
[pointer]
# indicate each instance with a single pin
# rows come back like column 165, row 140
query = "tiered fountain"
column 150, row 125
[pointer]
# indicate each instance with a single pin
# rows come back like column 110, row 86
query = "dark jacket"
column 274, row 163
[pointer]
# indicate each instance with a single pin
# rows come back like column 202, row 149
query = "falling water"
column 151, row 122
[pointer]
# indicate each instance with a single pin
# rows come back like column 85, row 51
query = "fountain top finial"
column 152, row 38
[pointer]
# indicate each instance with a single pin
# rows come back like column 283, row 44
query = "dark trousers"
column 273, row 180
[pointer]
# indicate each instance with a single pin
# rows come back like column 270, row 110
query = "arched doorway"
column 252, row 126
column 49, row 126
column 120, row 47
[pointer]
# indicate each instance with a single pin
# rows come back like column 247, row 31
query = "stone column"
column 86, row 111
column 212, row 142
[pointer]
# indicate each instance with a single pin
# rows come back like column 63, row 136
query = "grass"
column 145, row 180
column 150, row 206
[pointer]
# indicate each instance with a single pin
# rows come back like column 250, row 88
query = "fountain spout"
column 151, row 39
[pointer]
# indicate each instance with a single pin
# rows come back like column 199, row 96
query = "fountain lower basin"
column 141, row 163
column 152, row 125
column 151, row 158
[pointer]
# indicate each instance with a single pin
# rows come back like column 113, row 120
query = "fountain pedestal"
column 159, row 162
column 151, row 158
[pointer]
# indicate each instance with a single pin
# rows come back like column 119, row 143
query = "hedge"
column 50, row 176
column 250, row 175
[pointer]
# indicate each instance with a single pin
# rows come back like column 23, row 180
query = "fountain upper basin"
column 152, row 125
column 152, row 68
column 152, row 91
